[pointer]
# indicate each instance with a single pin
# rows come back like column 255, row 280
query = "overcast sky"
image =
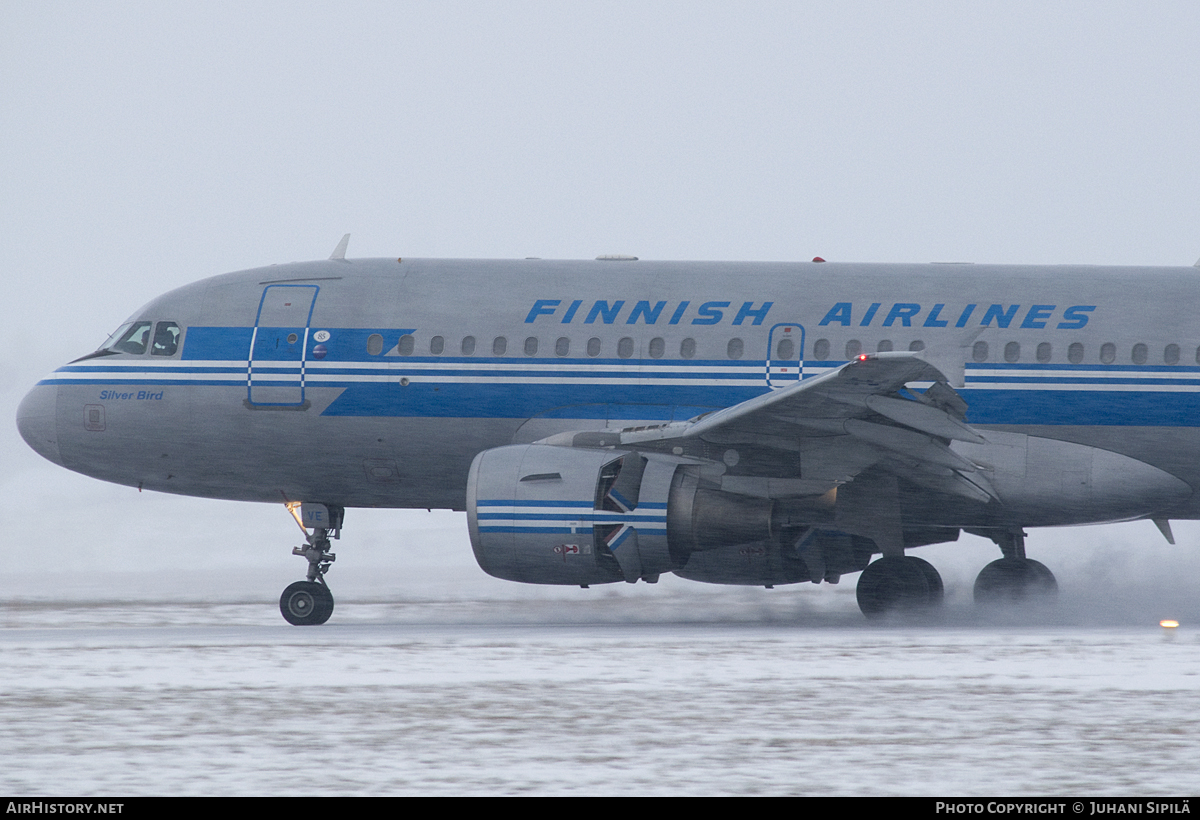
column 147, row 145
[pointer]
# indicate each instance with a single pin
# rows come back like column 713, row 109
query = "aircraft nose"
column 37, row 420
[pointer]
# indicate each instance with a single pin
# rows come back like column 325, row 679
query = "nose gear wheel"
column 309, row 602
column 306, row 603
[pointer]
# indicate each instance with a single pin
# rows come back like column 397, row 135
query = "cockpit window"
column 166, row 339
column 130, row 338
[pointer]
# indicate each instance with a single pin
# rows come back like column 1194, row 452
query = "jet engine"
column 546, row 514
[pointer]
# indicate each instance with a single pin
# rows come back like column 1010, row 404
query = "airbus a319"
column 612, row 420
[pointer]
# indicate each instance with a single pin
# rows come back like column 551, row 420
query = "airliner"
column 611, row 420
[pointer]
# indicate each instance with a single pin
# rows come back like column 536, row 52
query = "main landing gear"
column 310, row 603
column 899, row 584
column 1013, row 578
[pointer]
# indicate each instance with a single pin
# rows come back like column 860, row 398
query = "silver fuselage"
column 375, row 382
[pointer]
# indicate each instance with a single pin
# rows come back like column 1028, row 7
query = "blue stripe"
column 1135, row 368
column 584, row 505
column 560, row 395
column 1025, row 407
column 525, row 401
column 216, row 343
column 149, row 372
column 1069, row 380
column 621, row 536
column 535, row 530
column 599, row 518
column 344, row 344
column 1149, row 408
column 515, row 373
column 497, row 502
column 562, row 530
column 150, row 382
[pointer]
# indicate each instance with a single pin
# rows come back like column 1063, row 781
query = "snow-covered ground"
column 688, row 691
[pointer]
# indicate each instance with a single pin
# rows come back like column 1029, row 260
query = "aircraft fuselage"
column 375, row 382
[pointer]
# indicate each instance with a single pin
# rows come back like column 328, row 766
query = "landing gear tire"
column 306, row 603
column 1013, row 580
column 899, row 585
column 937, row 590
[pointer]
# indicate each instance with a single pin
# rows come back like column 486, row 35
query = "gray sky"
column 147, row 145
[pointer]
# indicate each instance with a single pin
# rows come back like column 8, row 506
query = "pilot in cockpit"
column 166, row 339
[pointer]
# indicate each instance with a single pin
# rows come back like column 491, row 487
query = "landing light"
column 1166, row 623
column 293, row 507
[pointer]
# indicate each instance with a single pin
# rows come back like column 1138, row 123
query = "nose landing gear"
column 310, row 603
column 306, row 603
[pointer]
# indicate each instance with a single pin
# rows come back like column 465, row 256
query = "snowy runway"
column 496, row 697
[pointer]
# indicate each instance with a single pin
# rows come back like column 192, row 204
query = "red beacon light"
column 862, row 357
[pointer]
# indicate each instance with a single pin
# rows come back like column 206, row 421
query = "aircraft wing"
column 891, row 410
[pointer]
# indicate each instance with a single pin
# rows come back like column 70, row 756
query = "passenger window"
column 916, row 345
column 131, row 338
column 593, row 347
column 166, row 339
column 374, row 344
column 499, row 346
column 562, row 347
column 1140, row 353
column 785, row 350
column 1171, row 354
column 468, row 345
column 884, row 346
column 979, row 352
column 658, row 347
column 407, row 344
column 531, row 346
column 436, row 345
column 1012, row 352
column 734, row 349
column 853, row 348
column 687, row 348
column 1075, row 353
column 1043, row 352
column 625, row 347
column 821, row 349
column 1108, row 352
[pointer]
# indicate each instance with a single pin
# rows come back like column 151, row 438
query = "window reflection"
column 130, row 338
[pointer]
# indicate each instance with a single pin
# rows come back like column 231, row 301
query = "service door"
column 785, row 364
column 275, row 370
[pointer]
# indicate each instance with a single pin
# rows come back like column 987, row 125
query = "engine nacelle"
column 546, row 514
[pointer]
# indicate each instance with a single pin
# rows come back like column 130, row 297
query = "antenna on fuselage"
column 340, row 251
